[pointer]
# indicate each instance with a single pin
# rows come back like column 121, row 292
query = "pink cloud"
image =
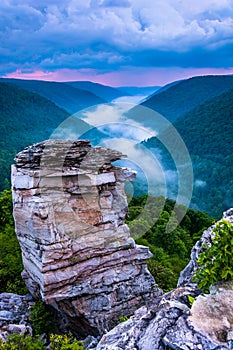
column 134, row 76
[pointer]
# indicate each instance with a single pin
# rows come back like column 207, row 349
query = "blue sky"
column 116, row 42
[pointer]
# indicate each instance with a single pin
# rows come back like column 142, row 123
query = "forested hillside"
column 171, row 250
column 25, row 118
column 187, row 94
column 207, row 132
column 63, row 95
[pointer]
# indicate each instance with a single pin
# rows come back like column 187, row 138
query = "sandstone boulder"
column 69, row 210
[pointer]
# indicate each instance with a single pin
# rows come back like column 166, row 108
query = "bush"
column 22, row 342
column 41, row 318
column 215, row 262
column 57, row 342
column 65, row 342
column 163, row 275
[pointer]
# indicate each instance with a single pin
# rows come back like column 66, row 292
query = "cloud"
column 141, row 159
column 111, row 120
column 110, row 35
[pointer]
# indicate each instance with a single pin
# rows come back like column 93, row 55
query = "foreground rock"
column 172, row 323
column 15, row 314
column 69, row 211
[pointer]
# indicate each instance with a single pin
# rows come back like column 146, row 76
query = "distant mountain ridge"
column 167, row 86
column 139, row 90
column 182, row 97
column 63, row 95
column 105, row 92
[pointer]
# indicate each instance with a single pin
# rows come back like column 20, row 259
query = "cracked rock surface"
column 14, row 314
column 69, row 209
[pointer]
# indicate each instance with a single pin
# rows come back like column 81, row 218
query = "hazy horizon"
column 110, row 85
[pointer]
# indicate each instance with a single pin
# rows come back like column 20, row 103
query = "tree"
column 10, row 253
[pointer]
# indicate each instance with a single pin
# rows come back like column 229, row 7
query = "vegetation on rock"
column 57, row 342
column 65, row 342
column 215, row 261
column 41, row 318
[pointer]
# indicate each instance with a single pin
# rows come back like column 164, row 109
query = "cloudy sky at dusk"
column 116, row 42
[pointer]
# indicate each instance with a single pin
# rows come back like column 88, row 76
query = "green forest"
column 170, row 247
column 187, row 94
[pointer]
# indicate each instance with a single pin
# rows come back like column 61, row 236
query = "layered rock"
column 171, row 322
column 69, row 211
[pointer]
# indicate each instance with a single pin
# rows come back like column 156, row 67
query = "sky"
column 115, row 42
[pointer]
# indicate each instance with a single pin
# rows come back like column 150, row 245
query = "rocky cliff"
column 172, row 323
column 78, row 256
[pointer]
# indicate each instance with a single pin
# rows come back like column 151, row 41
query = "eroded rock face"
column 171, row 322
column 78, row 256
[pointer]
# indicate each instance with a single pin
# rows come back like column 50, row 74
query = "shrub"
column 65, row 342
column 163, row 275
column 22, row 342
column 41, row 318
column 215, row 262
column 123, row 319
column 57, row 342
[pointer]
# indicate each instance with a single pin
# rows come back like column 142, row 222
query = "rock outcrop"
column 78, row 256
column 206, row 239
column 15, row 314
column 172, row 323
